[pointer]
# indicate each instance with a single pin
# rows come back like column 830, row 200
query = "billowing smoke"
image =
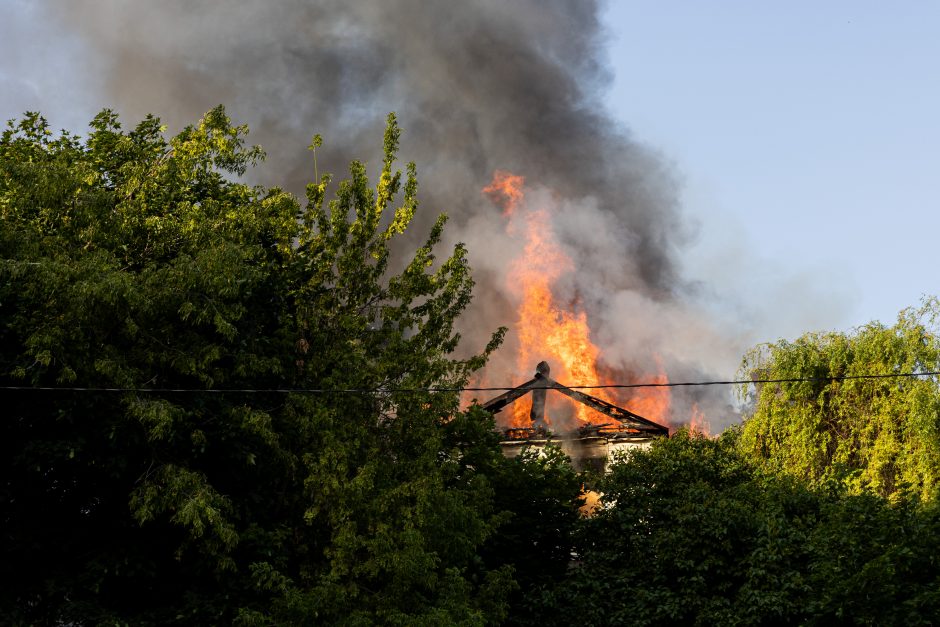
column 478, row 85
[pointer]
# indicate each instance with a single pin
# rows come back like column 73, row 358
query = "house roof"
column 625, row 423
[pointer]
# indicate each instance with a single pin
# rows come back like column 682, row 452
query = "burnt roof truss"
column 624, row 423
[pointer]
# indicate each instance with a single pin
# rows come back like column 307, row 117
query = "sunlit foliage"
column 881, row 434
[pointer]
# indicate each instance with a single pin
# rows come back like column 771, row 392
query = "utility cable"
column 26, row 388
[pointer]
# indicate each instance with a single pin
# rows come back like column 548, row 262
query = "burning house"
column 590, row 444
column 590, row 428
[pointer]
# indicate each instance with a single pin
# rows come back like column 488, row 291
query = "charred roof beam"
column 541, row 383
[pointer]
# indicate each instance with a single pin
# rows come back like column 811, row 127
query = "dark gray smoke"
column 478, row 85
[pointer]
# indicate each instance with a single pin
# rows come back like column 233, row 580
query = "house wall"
column 592, row 452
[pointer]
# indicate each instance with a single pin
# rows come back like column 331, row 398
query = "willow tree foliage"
column 879, row 434
column 133, row 262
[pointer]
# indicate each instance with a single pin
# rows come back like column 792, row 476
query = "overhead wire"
column 27, row 388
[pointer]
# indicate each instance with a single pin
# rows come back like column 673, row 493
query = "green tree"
column 694, row 533
column 671, row 546
column 881, row 435
column 134, row 262
column 540, row 494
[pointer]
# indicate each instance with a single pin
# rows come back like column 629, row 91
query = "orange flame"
column 545, row 329
column 652, row 403
column 698, row 423
column 506, row 189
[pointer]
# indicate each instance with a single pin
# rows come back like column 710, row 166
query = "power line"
column 25, row 388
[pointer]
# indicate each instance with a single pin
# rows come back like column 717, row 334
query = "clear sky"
column 808, row 138
column 806, row 134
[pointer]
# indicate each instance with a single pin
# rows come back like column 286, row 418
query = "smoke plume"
column 478, row 85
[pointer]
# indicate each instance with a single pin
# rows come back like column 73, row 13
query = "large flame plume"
column 549, row 330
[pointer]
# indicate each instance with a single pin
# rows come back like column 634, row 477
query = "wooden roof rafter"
column 628, row 423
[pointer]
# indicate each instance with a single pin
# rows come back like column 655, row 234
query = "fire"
column 506, row 189
column 652, row 403
column 592, row 502
column 547, row 330
column 698, row 423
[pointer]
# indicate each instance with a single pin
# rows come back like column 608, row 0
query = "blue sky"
column 807, row 135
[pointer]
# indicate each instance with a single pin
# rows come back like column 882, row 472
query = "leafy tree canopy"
column 881, row 435
column 133, row 261
column 695, row 533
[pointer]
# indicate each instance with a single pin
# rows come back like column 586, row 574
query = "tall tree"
column 878, row 434
column 131, row 266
